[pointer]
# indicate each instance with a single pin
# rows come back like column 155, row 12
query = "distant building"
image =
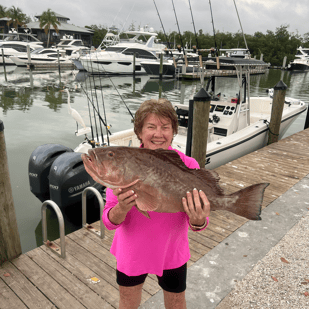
column 65, row 29
column 4, row 28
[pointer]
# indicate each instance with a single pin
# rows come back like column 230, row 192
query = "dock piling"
column 276, row 112
column 200, row 126
column 4, row 68
column 10, row 246
column 161, row 66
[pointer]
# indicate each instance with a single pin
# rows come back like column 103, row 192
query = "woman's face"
column 157, row 132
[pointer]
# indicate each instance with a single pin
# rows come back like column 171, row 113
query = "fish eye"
column 110, row 154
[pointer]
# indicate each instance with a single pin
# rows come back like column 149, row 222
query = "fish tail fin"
column 249, row 201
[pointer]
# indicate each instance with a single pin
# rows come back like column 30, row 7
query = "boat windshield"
column 22, row 37
column 115, row 49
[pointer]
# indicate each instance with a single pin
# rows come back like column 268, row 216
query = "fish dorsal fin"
column 211, row 178
column 172, row 157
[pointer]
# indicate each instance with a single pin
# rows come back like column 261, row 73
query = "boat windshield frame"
column 115, row 49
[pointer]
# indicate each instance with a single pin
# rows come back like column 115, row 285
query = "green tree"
column 98, row 34
column 17, row 17
column 48, row 19
column 3, row 11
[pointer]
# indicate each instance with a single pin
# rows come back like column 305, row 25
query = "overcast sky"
column 255, row 15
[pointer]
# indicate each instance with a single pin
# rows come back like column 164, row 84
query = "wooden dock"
column 217, row 73
column 86, row 277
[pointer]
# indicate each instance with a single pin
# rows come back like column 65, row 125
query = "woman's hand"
column 197, row 207
column 126, row 200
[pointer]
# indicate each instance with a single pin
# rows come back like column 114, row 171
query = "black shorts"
column 172, row 280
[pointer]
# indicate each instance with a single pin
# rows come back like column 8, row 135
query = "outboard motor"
column 68, row 178
column 39, row 165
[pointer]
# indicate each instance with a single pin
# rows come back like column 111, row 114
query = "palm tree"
column 17, row 17
column 48, row 19
column 3, row 11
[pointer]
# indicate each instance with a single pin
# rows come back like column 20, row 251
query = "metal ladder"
column 60, row 251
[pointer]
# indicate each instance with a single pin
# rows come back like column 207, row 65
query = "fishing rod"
column 193, row 25
column 241, row 26
column 214, row 31
column 167, row 40
column 96, row 96
column 184, row 53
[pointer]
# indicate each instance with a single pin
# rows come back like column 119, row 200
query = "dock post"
column 134, row 56
column 161, row 66
column 4, row 68
column 28, row 55
column 276, row 112
column 284, row 62
column 58, row 61
column 200, row 126
column 10, row 246
column 307, row 120
column 202, row 70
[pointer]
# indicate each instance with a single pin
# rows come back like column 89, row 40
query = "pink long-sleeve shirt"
column 143, row 245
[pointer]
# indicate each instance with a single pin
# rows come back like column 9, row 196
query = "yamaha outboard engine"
column 68, row 178
column 40, row 162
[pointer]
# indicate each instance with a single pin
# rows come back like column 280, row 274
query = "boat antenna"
column 167, row 40
column 214, row 31
column 178, row 29
column 193, row 25
column 241, row 26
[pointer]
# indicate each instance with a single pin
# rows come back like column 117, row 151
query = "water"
column 34, row 112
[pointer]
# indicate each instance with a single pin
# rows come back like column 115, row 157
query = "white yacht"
column 43, row 56
column 14, row 44
column 301, row 63
column 119, row 58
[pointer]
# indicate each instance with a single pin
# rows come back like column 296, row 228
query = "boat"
column 301, row 62
column 124, row 57
column 14, row 44
column 237, row 126
column 71, row 45
column 43, row 57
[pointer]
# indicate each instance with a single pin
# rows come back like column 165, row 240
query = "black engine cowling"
column 68, row 178
column 40, row 162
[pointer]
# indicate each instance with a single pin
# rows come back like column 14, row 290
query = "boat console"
column 222, row 117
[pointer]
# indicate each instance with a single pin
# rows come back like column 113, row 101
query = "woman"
column 158, row 245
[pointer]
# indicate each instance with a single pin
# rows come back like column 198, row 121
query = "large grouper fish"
column 160, row 179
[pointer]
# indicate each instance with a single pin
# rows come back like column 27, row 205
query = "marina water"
column 34, row 112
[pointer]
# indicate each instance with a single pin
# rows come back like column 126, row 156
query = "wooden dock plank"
column 54, row 291
column 8, row 299
column 84, row 274
column 92, row 243
column 23, row 288
column 79, row 290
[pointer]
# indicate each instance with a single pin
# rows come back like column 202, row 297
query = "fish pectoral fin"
column 145, row 213
column 146, row 204
column 147, row 197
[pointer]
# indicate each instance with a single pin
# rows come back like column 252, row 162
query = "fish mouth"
column 90, row 160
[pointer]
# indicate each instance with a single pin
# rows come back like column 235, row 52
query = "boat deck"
column 86, row 277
